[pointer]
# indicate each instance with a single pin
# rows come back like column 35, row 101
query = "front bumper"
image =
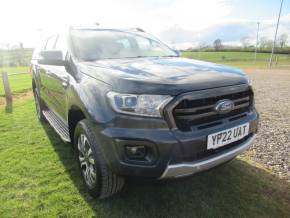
column 175, row 151
column 185, row 169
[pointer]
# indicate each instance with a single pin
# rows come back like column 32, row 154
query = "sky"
column 24, row 21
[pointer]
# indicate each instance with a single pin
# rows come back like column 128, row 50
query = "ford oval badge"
column 224, row 106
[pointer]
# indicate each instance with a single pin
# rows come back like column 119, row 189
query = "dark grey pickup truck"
column 132, row 107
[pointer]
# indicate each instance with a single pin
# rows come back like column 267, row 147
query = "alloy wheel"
column 87, row 161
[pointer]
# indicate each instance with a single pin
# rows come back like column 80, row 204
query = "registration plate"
column 227, row 136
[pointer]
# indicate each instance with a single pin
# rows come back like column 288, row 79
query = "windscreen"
column 93, row 45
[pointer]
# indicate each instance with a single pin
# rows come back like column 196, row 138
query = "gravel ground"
column 272, row 96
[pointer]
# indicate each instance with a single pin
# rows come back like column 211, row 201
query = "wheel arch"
column 75, row 114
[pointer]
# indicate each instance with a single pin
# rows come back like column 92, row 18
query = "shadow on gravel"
column 236, row 189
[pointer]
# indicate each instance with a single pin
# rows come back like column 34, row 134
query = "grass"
column 238, row 59
column 18, row 83
column 40, row 178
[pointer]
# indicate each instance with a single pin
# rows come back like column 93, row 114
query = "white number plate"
column 227, row 136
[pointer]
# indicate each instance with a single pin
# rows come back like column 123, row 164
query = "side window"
column 61, row 44
column 50, row 44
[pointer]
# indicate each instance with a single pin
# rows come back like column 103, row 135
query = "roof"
column 97, row 26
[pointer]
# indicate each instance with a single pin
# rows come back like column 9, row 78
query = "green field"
column 239, row 59
column 18, row 83
column 39, row 177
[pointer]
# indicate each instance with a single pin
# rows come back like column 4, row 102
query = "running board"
column 59, row 126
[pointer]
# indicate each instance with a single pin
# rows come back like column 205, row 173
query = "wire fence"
column 13, row 83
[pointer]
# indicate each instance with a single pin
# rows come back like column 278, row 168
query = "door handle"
column 64, row 84
column 48, row 73
column 65, row 81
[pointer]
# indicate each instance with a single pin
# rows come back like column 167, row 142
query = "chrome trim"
column 185, row 169
column 201, row 94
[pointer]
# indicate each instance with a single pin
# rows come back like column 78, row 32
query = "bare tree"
column 283, row 40
column 263, row 42
column 202, row 45
column 217, row 44
column 269, row 43
column 21, row 45
column 245, row 42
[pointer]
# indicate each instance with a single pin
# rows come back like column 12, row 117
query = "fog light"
column 135, row 152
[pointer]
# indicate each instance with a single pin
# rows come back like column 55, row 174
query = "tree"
column 245, row 42
column 202, row 45
column 217, row 44
column 283, row 40
column 263, row 42
column 269, row 43
column 21, row 45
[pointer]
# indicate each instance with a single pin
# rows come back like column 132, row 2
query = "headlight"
column 143, row 105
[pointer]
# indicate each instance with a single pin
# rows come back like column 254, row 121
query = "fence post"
column 7, row 90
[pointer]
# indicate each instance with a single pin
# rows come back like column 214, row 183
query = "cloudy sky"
column 197, row 20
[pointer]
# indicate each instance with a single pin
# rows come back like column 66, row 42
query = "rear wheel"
column 100, row 181
column 39, row 106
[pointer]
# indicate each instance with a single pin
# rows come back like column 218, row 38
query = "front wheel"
column 100, row 181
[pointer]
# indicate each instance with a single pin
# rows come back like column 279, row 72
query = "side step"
column 59, row 126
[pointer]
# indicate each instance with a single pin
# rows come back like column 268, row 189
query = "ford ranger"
column 133, row 107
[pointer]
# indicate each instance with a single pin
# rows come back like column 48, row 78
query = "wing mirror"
column 51, row 57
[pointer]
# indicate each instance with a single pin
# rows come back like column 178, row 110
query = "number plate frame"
column 227, row 136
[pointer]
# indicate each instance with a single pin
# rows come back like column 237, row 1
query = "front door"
column 57, row 83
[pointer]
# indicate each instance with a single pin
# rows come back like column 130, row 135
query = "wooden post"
column 7, row 90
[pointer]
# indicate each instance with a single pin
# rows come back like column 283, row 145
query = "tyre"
column 100, row 181
column 39, row 105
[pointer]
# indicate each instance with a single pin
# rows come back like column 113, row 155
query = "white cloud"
column 19, row 20
column 183, row 21
column 229, row 30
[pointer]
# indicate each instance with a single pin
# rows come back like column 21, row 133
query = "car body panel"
column 170, row 76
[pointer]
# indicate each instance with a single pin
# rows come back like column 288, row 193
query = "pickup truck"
column 133, row 107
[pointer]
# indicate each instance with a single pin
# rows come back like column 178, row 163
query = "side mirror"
column 51, row 57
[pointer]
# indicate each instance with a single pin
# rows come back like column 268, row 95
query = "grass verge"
column 40, row 178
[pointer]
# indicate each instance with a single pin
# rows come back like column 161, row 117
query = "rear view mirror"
column 51, row 57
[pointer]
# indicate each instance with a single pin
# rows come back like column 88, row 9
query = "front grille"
column 200, row 113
